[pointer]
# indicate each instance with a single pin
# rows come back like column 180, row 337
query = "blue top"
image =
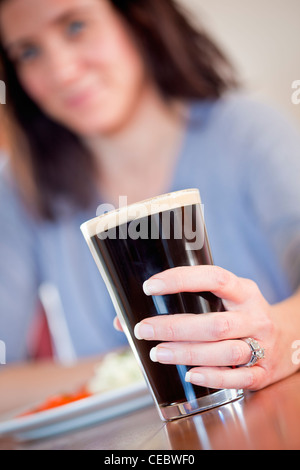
column 245, row 159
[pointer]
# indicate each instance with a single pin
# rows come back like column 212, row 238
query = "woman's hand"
column 212, row 342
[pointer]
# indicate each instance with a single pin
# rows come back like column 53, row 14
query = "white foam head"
column 155, row 205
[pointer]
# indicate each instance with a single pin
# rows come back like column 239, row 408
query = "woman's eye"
column 27, row 54
column 76, row 27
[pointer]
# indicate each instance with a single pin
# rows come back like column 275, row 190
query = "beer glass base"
column 181, row 410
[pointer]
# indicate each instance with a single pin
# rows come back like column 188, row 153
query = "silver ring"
column 257, row 352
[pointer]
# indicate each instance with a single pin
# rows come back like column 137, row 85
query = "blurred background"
column 3, row 143
column 262, row 38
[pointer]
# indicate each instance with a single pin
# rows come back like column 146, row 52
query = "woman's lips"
column 79, row 99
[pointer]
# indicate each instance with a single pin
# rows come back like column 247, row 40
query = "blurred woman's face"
column 76, row 59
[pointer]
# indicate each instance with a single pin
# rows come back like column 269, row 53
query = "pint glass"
column 133, row 243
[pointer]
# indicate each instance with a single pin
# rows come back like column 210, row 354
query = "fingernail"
column 161, row 355
column 195, row 378
column 154, row 287
column 116, row 324
column 153, row 355
column 143, row 331
column 188, row 377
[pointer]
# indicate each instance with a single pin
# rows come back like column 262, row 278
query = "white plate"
column 88, row 411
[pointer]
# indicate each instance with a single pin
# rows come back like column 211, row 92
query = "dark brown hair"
column 184, row 62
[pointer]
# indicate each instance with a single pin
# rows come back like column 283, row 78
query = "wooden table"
column 268, row 419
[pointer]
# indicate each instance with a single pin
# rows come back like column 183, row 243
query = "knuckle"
column 223, row 277
column 265, row 325
column 251, row 381
column 220, row 381
column 170, row 332
column 221, row 327
column 179, row 280
column 252, row 287
column 237, row 354
column 191, row 357
column 258, row 378
column 269, row 326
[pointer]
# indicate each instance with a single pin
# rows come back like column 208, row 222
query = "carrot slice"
column 56, row 401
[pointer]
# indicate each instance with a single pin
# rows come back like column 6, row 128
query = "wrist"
column 286, row 318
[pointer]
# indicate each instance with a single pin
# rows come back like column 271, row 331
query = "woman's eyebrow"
column 57, row 20
column 67, row 16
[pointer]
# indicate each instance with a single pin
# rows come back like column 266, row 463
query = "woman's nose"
column 63, row 66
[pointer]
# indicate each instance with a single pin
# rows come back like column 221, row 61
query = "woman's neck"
column 140, row 157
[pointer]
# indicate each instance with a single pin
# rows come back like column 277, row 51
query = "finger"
column 117, row 324
column 247, row 378
column 223, row 353
column 220, row 282
column 192, row 327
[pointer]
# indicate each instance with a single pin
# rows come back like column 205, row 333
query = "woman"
column 114, row 98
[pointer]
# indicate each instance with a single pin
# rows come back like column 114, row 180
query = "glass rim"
column 148, row 207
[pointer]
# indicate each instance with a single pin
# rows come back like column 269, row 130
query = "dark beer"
column 129, row 250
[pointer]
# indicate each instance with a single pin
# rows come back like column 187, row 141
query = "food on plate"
column 116, row 370
column 57, row 401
